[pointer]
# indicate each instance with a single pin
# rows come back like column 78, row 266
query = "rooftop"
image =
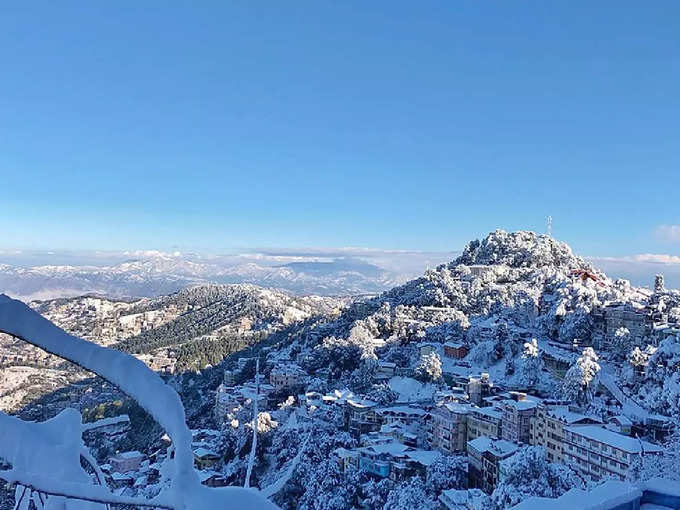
column 616, row 440
column 496, row 446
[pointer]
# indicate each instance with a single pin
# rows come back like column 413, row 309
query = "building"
column 598, row 453
column 229, row 378
column 462, row 499
column 484, row 421
column 547, row 428
column 126, row 461
column 286, row 376
column 427, row 348
column 611, row 495
column 385, row 370
column 479, row 388
column 455, row 350
column 609, row 318
column 346, row 459
column 112, row 429
column 205, row 458
column 448, row 427
column 226, row 402
column 621, row 424
column 401, row 414
column 484, row 457
column 517, row 414
column 362, row 417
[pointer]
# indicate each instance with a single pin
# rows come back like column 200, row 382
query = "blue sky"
column 392, row 125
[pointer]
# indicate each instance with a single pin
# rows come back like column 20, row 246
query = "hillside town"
column 517, row 376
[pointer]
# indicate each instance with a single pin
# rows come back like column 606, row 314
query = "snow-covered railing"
column 34, row 449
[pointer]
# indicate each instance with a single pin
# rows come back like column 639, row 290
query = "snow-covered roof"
column 361, row 402
column 610, row 494
column 204, row 452
column 345, row 453
column 393, row 448
column 105, row 422
column 622, row 420
column 520, row 405
column 454, row 345
column 570, row 417
column 128, row 455
column 412, row 411
column 424, row 457
column 488, row 411
column 455, row 407
column 496, row 446
column 615, row 440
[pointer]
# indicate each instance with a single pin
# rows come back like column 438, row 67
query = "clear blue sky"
column 403, row 125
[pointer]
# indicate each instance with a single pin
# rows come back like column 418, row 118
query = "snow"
column 424, row 457
column 411, row 390
column 486, row 444
column 26, row 445
column 105, row 422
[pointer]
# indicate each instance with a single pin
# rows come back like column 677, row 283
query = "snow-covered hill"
column 155, row 274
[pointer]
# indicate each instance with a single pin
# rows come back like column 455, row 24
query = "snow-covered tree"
column 662, row 466
column 581, row 379
column 447, row 472
column 527, row 473
column 410, row 495
column 620, row 343
column 430, row 367
column 362, row 378
column 375, row 493
column 529, row 365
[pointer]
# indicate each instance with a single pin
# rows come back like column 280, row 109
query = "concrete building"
column 484, row 421
column 655, row 494
column 547, row 428
column 517, row 414
column 226, row 402
column 484, row 457
column 609, row 318
column 286, row 376
column 362, row 416
column 448, row 427
column 205, row 458
column 479, row 388
column 598, row 453
column 126, row 461
column 455, row 350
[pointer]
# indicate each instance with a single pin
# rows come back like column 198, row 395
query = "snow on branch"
column 135, row 379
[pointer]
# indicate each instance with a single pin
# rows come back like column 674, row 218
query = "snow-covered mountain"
column 155, row 274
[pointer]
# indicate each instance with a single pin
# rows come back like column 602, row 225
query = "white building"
column 126, row 461
column 599, row 453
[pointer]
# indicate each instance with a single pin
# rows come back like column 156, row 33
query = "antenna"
column 549, row 225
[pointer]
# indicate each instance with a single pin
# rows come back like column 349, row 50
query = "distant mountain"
column 158, row 274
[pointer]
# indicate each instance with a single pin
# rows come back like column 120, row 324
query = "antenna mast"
column 549, row 226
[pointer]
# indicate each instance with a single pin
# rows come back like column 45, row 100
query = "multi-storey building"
column 286, row 376
column 547, row 427
column 126, row 461
column 479, row 388
column 226, row 402
column 598, row 453
column 484, row 457
column 401, row 414
column 608, row 319
column 362, row 417
column 484, row 421
column 448, row 429
column 517, row 414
